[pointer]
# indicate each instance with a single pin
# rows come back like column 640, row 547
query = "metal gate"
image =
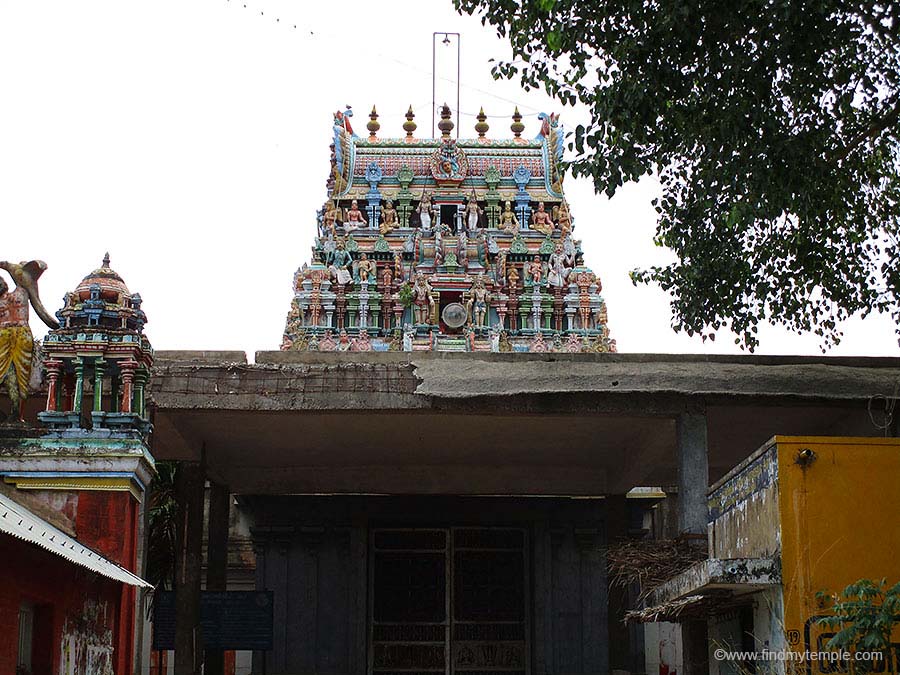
column 449, row 600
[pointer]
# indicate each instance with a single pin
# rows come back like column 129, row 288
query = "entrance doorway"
column 449, row 600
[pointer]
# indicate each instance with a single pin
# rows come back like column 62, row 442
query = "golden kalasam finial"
column 409, row 126
column 373, row 126
column 446, row 124
column 481, row 126
column 517, row 127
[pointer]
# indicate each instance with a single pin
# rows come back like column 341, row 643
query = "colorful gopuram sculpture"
column 446, row 244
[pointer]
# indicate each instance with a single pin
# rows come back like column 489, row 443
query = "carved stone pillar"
column 54, row 369
column 128, row 369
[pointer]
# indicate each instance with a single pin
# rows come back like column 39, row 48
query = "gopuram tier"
column 446, row 244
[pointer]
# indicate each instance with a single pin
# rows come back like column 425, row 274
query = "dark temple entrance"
column 371, row 585
column 449, row 600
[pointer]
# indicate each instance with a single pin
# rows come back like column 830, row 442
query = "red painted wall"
column 107, row 522
column 59, row 589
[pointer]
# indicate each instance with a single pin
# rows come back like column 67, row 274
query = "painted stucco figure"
column 478, row 302
column 422, row 300
column 341, row 261
column 508, row 221
column 16, row 341
column 330, row 217
column 475, row 218
column 542, row 221
column 536, row 270
column 557, row 272
column 388, row 218
column 355, row 218
column 365, row 268
column 423, row 216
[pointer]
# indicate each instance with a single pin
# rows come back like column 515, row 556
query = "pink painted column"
column 54, row 368
column 127, row 368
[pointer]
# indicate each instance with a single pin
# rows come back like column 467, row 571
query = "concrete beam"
column 693, row 472
column 282, row 381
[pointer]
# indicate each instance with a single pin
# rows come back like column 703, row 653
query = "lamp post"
column 447, row 42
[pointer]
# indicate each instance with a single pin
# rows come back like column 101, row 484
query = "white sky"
column 190, row 140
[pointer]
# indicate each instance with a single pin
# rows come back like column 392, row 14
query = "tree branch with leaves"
column 772, row 126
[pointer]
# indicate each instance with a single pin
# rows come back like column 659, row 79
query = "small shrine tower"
column 100, row 346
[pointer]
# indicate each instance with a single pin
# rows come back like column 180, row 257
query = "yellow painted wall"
column 840, row 522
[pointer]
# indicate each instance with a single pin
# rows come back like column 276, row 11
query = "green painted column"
column 79, row 385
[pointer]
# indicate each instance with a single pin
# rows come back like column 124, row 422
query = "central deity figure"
column 508, row 221
column 542, row 221
column 355, row 218
column 388, row 218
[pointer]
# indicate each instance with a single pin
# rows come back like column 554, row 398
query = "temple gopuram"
column 447, row 244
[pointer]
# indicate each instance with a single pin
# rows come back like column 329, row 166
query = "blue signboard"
column 229, row 619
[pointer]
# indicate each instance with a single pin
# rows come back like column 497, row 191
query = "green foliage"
column 865, row 615
column 405, row 295
column 772, row 126
column 162, row 527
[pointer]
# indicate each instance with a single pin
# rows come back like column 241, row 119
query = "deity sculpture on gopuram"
column 475, row 228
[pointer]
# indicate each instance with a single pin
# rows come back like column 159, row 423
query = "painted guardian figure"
column 16, row 340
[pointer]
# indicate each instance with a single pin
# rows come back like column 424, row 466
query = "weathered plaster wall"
column 744, row 510
column 663, row 651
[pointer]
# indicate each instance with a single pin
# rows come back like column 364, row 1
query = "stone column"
column 693, row 472
column 693, row 482
column 188, row 553
column 217, row 560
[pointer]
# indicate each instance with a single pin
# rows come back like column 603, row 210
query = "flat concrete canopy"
column 511, row 424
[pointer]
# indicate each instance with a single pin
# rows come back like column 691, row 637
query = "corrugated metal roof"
column 21, row 523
